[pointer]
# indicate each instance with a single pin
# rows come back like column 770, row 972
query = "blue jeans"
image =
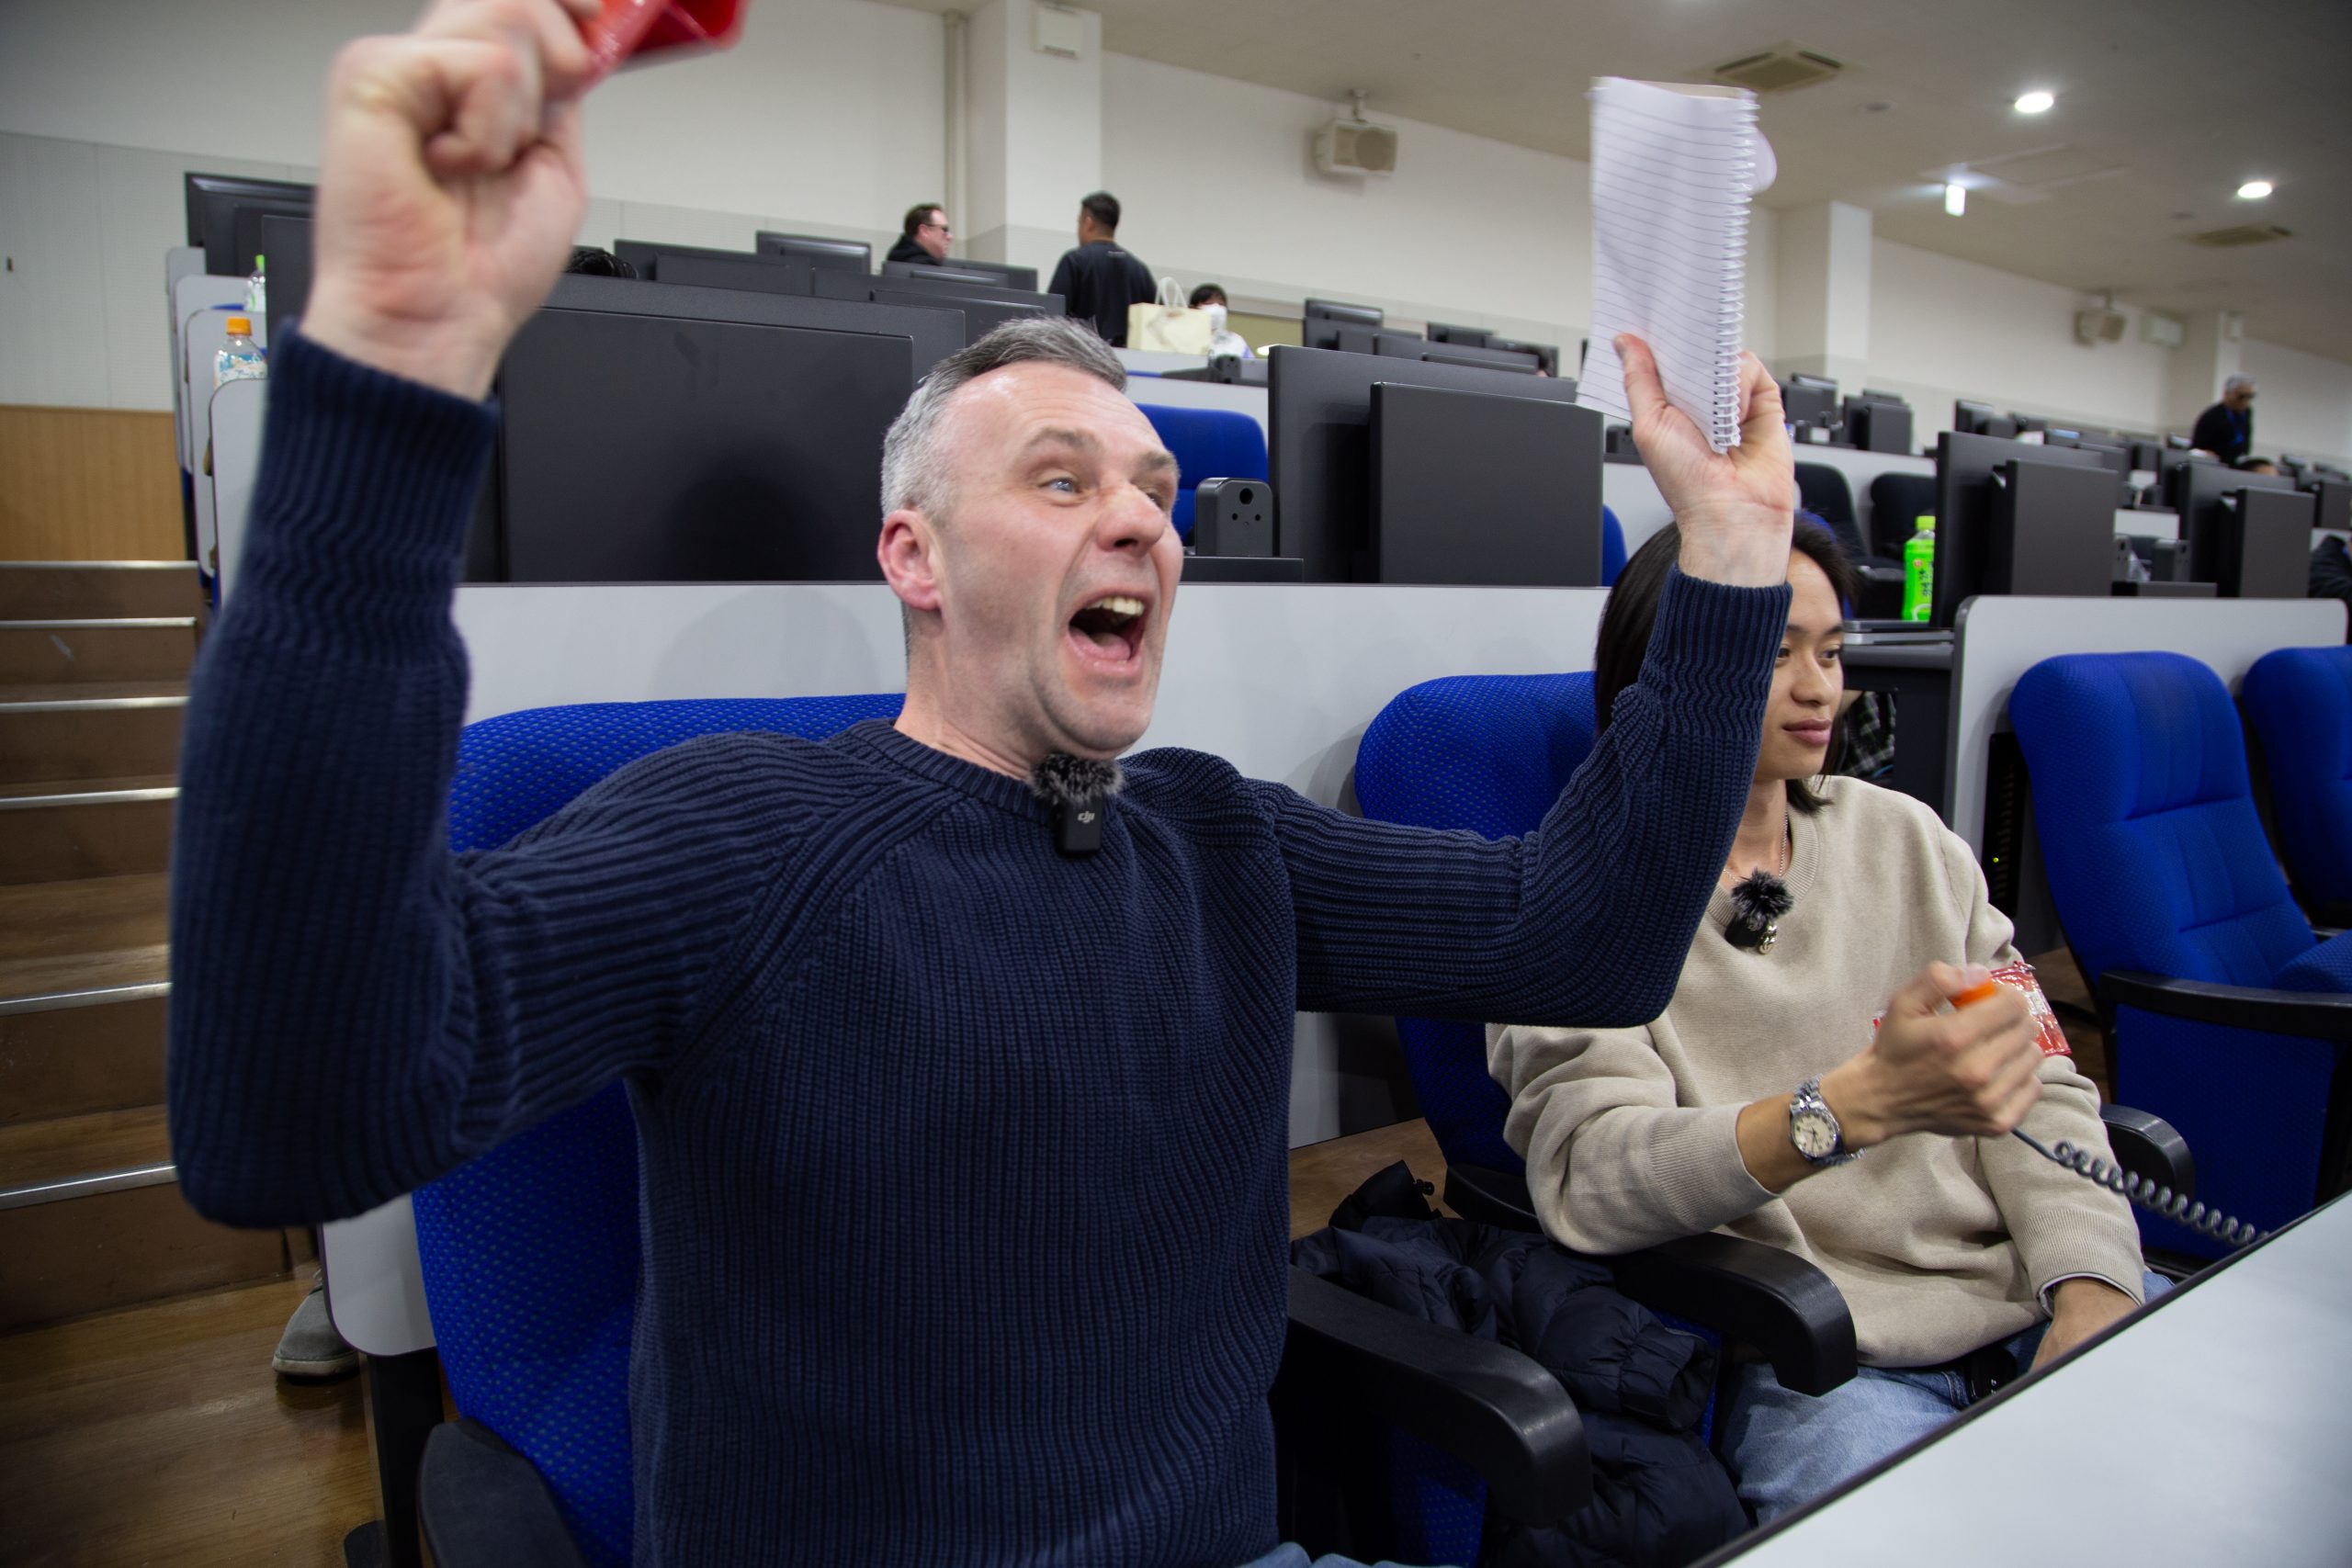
column 1784, row 1450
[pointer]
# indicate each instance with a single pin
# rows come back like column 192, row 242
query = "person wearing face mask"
column 1222, row 340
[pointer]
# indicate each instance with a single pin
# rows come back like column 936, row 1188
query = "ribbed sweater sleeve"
column 1587, row 919
column 354, row 1011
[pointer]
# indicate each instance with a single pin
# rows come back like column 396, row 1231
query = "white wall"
column 2303, row 402
column 1942, row 329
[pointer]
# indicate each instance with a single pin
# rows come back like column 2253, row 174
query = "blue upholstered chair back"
column 2299, row 700
column 1209, row 443
column 1612, row 547
column 530, row 1252
column 1489, row 754
column 2157, row 862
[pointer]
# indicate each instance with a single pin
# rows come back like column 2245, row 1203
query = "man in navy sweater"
column 963, row 1155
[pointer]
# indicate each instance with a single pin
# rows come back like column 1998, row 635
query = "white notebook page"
column 1673, row 171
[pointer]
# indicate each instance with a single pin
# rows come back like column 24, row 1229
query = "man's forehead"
column 1022, row 403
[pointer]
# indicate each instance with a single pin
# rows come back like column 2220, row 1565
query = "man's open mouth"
column 1112, row 626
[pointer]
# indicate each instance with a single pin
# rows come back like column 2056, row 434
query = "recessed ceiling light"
column 2036, row 102
column 1956, row 200
column 2254, row 190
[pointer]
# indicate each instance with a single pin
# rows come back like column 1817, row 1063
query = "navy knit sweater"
column 964, row 1167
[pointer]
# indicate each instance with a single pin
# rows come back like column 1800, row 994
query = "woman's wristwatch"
column 1813, row 1128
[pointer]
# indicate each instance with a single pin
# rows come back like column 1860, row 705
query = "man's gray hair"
column 913, row 472
column 2234, row 382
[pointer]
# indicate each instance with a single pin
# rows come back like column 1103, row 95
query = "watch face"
column 1815, row 1134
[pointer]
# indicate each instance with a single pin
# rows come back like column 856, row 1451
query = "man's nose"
column 1133, row 520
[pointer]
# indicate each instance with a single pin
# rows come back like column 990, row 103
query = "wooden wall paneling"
column 88, row 484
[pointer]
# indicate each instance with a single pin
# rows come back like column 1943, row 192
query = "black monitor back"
column 1468, row 337
column 2249, row 535
column 1474, row 488
column 286, row 242
column 2051, row 530
column 984, row 309
column 1321, row 319
column 823, row 255
column 1548, row 355
column 1964, row 500
column 755, row 274
column 2334, row 509
column 1874, row 424
column 1805, row 400
column 225, row 213
column 1970, row 418
column 995, row 275
column 1319, row 406
column 646, row 258
column 655, row 432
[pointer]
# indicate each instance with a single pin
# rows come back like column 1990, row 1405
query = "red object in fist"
column 632, row 29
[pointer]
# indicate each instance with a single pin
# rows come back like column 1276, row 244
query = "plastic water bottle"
column 1919, row 572
column 257, row 288
column 240, row 359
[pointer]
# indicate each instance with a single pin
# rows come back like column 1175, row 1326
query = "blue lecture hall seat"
column 1209, row 443
column 533, row 1326
column 1612, row 547
column 2299, row 700
column 2184, row 929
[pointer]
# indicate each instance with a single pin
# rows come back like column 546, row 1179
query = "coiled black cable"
column 2158, row 1199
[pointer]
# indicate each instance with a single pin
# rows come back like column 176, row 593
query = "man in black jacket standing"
column 2226, row 429
column 923, row 236
column 1098, row 279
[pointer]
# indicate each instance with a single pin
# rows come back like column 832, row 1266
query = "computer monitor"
column 1964, row 501
column 1322, row 319
column 984, row 308
column 1351, row 339
column 758, row 274
column 994, row 274
column 2147, row 454
column 1319, row 406
column 1484, row 489
column 2050, row 529
column 658, row 432
column 224, row 215
column 2249, row 535
column 2333, row 509
column 1809, row 400
column 286, row 242
column 1875, row 423
column 823, row 255
column 2026, row 423
column 647, row 256
column 1493, row 356
column 1970, row 418
column 1548, row 355
column 1468, row 337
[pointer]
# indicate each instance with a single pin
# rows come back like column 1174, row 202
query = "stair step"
column 42, row 921
column 48, row 590
column 112, row 1243
column 75, row 651
column 36, row 1156
column 56, row 832
column 70, row 735
column 80, row 1052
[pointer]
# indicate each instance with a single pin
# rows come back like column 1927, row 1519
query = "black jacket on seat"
column 1660, row 1495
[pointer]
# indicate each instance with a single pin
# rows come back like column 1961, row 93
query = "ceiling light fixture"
column 1956, row 200
column 2254, row 190
column 2036, row 102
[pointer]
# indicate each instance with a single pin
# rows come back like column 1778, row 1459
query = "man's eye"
column 1064, row 482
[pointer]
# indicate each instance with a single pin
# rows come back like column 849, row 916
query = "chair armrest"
column 1759, row 1296
column 1493, row 1409
column 2318, row 1015
column 481, row 1505
column 2148, row 1146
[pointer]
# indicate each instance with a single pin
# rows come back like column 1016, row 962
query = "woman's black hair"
column 1632, row 611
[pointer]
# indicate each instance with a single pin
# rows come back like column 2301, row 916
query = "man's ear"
column 909, row 551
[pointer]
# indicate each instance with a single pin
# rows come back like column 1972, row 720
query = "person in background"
column 2226, row 429
column 1098, row 280
column 923, row 235
column 1222, row 340
column 1767, row 1100
column 2254, row 466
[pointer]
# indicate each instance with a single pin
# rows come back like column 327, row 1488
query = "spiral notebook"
column 1673, row 170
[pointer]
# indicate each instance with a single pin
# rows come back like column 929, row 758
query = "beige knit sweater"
column 1940, row 1245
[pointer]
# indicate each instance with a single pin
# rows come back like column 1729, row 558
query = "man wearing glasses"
column 924, row 236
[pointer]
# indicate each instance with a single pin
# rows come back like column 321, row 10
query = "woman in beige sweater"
column 1744, row 1107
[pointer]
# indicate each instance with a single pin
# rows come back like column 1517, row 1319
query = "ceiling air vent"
column 2244, row 234
column 1780, row 69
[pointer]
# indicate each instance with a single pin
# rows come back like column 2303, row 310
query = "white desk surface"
column 2213, row 1430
